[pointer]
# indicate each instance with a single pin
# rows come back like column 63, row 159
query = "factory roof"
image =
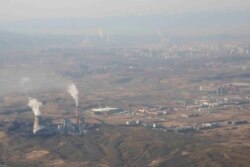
column 105, row 109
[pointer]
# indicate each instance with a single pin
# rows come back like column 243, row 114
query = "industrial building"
column 73, row 126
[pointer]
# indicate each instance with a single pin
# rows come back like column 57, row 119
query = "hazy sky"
column 170, row 17
column 12, row 10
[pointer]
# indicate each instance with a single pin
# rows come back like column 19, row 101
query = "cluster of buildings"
column 188, row 128
column 217, row 103
column 219, row 96
column 206, row 50
column 72, row 126
column 153, row 110
column 67, row 127
column 224, row 89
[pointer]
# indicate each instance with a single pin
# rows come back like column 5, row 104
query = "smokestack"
column 35, row 105
column 77, row 116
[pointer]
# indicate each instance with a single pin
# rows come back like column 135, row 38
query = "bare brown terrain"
column 174, row 110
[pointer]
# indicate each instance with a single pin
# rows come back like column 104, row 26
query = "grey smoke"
column 27, row 80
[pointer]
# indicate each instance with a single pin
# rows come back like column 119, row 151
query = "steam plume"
column 25, row 84
column 34, row 104
column 72, row 90
column 160, row 35
column 100, row 33
column 25, row 81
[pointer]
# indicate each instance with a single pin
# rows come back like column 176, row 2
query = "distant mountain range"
column 189, row 24
column 123, row 30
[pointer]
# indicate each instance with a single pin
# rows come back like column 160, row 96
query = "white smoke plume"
column 100, row 33
column 72, row 90
column 158, row 32
column 25, row 83
column 161, row 36
column 35, row 105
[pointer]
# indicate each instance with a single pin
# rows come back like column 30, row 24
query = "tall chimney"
column 37, row 126
column 77, row 116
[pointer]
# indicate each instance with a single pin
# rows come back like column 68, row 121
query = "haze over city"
column 115, row 83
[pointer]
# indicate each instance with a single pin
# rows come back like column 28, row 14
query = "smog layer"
column 91, row 101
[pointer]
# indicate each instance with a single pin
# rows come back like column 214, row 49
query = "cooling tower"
column 37, row 125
